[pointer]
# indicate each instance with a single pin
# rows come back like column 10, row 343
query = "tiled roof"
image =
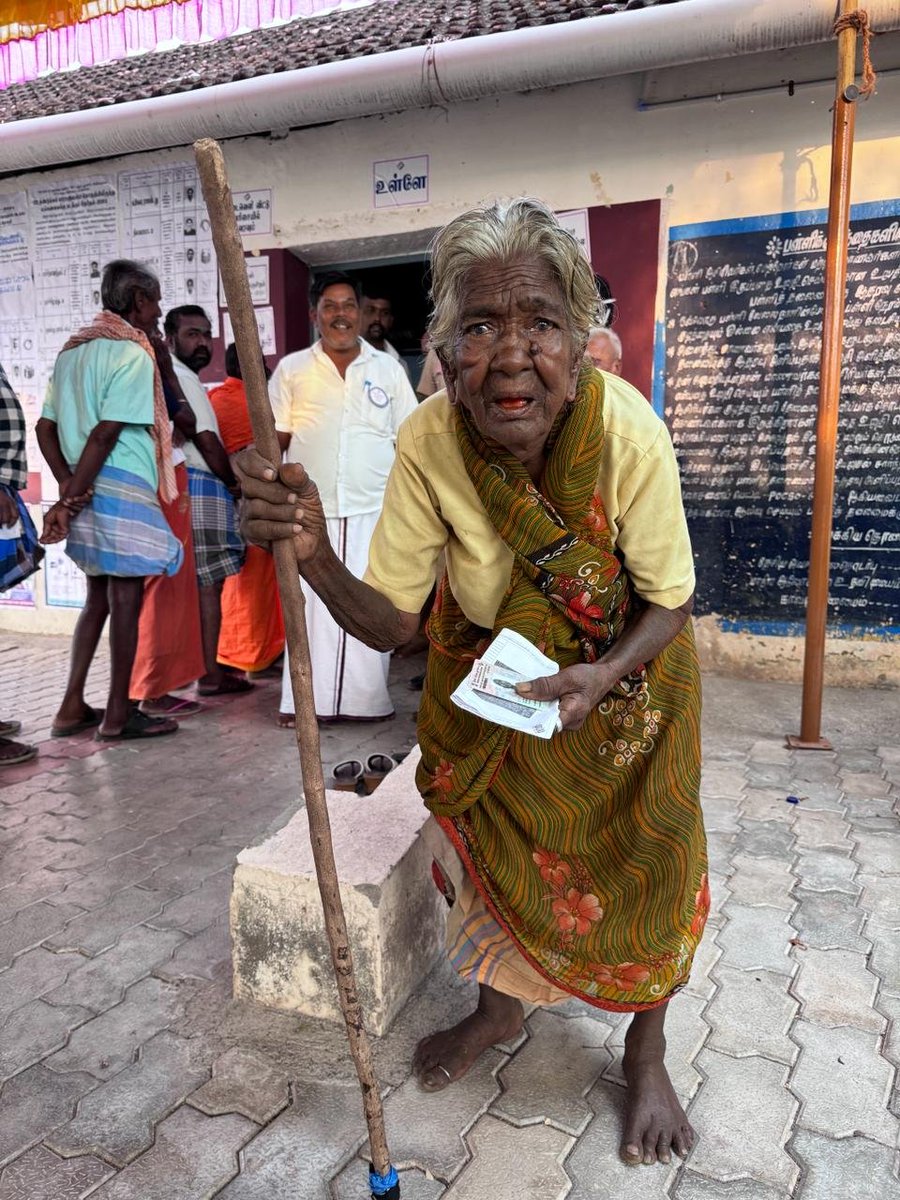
column 375, row 29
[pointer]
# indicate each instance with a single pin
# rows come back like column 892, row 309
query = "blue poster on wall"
column 738, row 379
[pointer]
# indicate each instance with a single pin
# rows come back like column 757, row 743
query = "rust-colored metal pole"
column 230, row 252
column 829, row 389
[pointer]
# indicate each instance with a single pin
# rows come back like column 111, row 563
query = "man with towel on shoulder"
column 105, row 434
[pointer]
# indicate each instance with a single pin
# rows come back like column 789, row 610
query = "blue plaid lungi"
column 218, row 548
column 123, row 531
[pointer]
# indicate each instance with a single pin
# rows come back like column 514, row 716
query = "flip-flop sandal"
column 179, row 707
column 9, row 729
column 91, row 722
column 23, row 753
column 377, row 767
column 230, row 686
column 139, row 725
column 345, row 776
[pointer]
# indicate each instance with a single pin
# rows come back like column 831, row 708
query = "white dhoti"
column 349, row 678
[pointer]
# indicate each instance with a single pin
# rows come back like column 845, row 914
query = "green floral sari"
column 588, row 848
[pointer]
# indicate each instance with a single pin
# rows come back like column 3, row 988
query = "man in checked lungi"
column 105, row 434
column 218, row 547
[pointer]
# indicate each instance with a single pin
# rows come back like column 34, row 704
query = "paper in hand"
column 489, row 690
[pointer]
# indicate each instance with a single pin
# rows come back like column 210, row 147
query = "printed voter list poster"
column 166, row 226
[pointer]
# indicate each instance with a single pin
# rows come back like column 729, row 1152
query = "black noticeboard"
column 741, row 376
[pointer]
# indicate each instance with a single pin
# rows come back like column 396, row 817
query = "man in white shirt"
column 218, row 547
column 377, row 323
column 338, row 406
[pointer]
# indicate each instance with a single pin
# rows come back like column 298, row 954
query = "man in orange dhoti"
column 170, row 649
column 252, row 634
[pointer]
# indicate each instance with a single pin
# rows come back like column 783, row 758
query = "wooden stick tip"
column 206, row 145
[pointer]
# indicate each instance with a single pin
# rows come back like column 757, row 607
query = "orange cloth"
column 170, row 647
column 252, row 634
column 229, row 401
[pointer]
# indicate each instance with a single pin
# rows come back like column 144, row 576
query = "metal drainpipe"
column 440, row 74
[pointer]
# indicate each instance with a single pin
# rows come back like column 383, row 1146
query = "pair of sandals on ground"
column 352, row 775
column 153, row 718
column 11, row 752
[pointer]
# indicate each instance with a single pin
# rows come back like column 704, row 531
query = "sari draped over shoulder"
column 588, row 848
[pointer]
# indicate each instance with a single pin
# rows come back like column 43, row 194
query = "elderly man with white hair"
column 604, row 349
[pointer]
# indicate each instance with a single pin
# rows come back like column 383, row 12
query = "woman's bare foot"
column 444, row 1057
column 655, row 1122
column 286, row 721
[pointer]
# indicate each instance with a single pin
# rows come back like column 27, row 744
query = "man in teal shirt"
column 105, row 434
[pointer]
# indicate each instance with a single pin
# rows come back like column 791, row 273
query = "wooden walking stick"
column 848, row 25
column 383, row 1179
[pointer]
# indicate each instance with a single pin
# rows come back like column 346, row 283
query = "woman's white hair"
column 522, row 228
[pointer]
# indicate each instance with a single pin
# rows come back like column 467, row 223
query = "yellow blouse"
column 431, row 505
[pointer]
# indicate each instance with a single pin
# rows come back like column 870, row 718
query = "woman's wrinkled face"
column 514, row 363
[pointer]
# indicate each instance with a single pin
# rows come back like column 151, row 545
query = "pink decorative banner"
column 113, row 36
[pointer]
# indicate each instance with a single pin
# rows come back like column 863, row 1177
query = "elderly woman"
column 552, row 490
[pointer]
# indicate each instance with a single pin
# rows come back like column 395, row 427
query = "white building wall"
column 574, row 147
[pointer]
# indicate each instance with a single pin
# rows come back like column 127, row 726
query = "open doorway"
column 405, row 285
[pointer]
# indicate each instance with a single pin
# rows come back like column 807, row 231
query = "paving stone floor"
column 127, row 1071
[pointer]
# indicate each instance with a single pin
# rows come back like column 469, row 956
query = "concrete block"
column 744, row 1115
column 101, row 982
column 510, row 1163
column 756, row 939
column 31, row 975
column 853, row 1168
column 40, row 1175
column 836, row 989
column 827, row 871
column 428, row 1128
column 192, row 1155
column 395, row 915
column 34, row 1031
column 695, row 1187
column 297, row 1153
column 767, row 839
column 549, row 1078
column 751, row 1014
column 117, row 1121
column 245, row 1082
column 829, row 920
column 844, row 1083
column 109, row 1043
column 762, row 881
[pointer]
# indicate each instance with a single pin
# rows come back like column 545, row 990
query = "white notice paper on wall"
column 258, row 278
column 65, row 584
column 265, row 323
column 16, row 286
column 576, row 222
column 253, row 211
column 398, row 181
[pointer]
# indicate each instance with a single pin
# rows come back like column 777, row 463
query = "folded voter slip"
column 489, row 690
